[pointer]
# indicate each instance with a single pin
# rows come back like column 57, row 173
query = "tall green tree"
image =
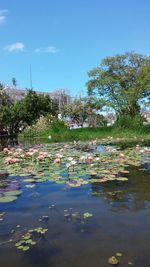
column 26, row 111
column 121, row 81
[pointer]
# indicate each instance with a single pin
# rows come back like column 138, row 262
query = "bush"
column 58, row 126
column 127, row 122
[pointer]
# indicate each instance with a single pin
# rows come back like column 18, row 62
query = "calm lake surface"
column 120, row 222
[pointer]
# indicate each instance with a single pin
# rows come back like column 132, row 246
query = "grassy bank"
column 61, row 134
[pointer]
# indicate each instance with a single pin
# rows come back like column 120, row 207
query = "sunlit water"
column 120, row 223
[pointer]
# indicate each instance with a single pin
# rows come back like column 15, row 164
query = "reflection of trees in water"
column 132, row 194
column 5, row 142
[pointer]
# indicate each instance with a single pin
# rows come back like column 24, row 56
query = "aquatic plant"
column 68, row 164
column 29, row 239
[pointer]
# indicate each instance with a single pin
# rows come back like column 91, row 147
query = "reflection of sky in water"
column 105, row 149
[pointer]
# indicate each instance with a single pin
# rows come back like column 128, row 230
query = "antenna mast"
column 30, row 77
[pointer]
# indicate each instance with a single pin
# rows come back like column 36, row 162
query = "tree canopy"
column 121, row 82
column 26, row 111
column 83, row 110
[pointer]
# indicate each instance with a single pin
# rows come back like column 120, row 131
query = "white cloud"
column 16, row 47
column 3, row 16
column 49, row 49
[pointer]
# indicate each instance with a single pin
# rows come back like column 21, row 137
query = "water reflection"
column 133, row 194
column 6, row 142
column 119, row 222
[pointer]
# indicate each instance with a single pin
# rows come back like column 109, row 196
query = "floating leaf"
column 25, row 248
column 113, row 260
column 122, row 179
column 13, row 193
column 87, row 215
column 119, row 254
column 6, row 199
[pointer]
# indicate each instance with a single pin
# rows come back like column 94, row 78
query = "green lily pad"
column 6, row 199
column 25, row 248
column 119, row 254
column 13, row 193
column 123, row 179
column 29, row 180
column 87, row 215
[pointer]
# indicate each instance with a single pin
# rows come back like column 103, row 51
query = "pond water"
column 78, row 212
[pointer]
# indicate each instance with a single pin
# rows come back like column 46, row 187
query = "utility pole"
column 30, row 77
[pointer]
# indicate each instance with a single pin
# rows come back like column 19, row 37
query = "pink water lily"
column 94, row 142
column 19, row 150
column 122, row 156
column 57, row 161
column 44, row 154
column 41, row 157
column 29, row 153
column 6, row 150
column 89, row 159
column 9, row 160
column 59, row 155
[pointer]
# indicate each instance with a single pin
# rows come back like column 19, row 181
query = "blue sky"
column 63, row 39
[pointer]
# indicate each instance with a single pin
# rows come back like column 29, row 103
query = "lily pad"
column 13, row 193
column 87, row 215
column 6, row 199
column 113, row 261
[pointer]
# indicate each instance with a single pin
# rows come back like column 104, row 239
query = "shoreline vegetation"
column 62, row 134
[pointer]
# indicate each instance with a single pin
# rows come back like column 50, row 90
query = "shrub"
column 127, row 122
column 58, row 126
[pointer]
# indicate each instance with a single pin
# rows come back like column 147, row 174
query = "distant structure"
column 110, row 118
column 146, row 115
column 60, row 96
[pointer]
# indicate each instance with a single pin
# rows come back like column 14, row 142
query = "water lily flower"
column 16, row 154
column 89, row 159
column 10, row 153
column 19, row 150
column 59, row 155
column 29, row 153
column 6, row 150
column 57, row 161
column 9, row 160
column 122, row 156
column 73, row 162
column 146, row 149
column 97, row 158
column 41, row 157
column 44, row 154
column 94, row 142
column 70, row 159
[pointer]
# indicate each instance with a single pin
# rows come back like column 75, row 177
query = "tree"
column 84, row 110
column 5, row 102
column 34, row 105
column 4, row 97
column 76, row 111
column 121, row 82
column 26, row 111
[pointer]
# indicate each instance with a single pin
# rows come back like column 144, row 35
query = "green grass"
column 63, row 134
